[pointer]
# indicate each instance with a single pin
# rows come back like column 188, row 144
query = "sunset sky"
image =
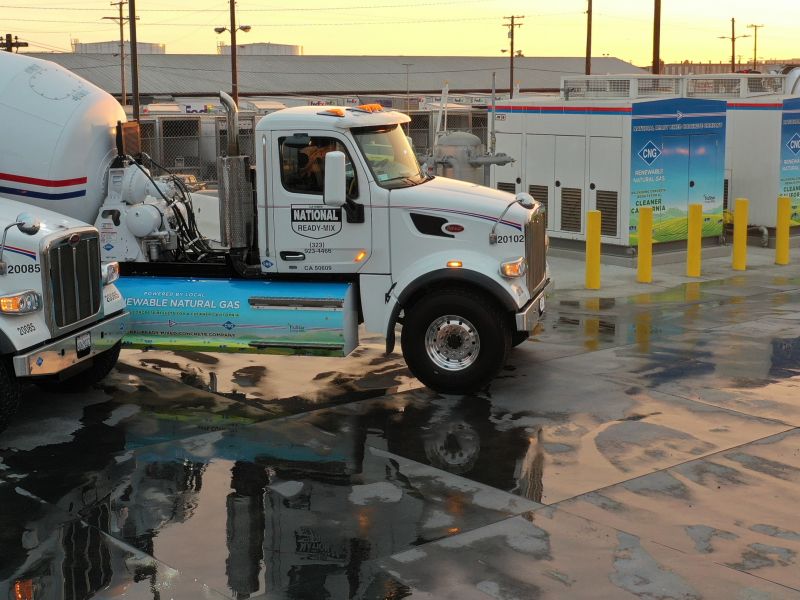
column 622, row 28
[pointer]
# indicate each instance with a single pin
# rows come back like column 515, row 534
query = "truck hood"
column 28, row 245
column 460, row 197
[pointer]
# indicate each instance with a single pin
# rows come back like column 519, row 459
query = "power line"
column 287, row 9
column 325, row 24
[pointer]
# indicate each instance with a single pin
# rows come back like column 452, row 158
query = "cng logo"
column 794, row 144
column 649, row 153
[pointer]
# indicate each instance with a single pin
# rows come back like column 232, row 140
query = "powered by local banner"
column 677, row 159
column 790, row 155
column 224, row 315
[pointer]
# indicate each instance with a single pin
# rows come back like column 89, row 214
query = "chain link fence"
column 188, row 145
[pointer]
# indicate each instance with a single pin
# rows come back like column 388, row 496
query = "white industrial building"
column 112, row 47
column 261, row 49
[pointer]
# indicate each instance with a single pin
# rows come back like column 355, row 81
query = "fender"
column 6, row 346
column 449, row 276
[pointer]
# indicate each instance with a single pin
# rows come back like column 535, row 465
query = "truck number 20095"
column 12, row 269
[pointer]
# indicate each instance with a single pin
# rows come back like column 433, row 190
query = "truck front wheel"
column 455, row 341
column 9, row 393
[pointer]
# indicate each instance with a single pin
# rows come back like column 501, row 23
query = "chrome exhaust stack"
column 236, row 209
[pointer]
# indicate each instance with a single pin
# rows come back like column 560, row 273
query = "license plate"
column 83, row 343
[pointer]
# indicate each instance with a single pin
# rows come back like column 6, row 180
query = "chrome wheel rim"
column 452, row 343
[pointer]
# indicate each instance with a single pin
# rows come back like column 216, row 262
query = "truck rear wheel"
column 9, row 393
column 455, row 341
column 101, row 366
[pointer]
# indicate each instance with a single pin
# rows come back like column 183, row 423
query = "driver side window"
column 303, row 164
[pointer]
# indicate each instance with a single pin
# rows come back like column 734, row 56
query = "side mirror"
column 335, row 193
column 28, row 223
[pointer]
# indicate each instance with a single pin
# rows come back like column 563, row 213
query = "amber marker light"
column 362, row 254
column 23, row 589
column 513, row 268
column 22, row 303
column 454, row 264
column 370, row 108
column 334, row 112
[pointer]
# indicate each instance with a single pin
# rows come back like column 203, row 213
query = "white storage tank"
column 454, row 155
column 58, row 135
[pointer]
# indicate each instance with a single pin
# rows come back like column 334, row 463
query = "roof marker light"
column 333, row 112
column 370, row 108
column 454, row 264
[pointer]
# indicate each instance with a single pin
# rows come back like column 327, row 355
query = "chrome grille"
column 74, row 280
column 536, row 250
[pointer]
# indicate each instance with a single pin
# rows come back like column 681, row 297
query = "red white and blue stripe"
column 562, row 109
column 23, row 186
column 22, row 251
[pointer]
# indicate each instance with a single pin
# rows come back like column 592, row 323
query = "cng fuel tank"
column 58, row 134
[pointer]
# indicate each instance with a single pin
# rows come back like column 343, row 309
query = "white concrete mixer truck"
column 61, row 317
column 334, row 225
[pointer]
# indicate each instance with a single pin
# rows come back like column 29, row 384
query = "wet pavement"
column 645, row 445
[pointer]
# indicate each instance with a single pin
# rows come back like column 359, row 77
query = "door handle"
column 691, row 184
column 292, row 256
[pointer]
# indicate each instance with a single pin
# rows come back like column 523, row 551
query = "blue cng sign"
column 649, row 153
column 794, row 144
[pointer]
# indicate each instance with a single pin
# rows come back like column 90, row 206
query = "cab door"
column 311, row 237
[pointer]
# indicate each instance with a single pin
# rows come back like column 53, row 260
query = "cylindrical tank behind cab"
column 453, row 154
column 57, row 133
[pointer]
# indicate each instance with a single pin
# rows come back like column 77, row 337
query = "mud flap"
column 227, row 315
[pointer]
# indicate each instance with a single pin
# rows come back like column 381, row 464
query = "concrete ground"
column 645, row 444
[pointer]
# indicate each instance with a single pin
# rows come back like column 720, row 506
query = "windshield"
column 389, row 156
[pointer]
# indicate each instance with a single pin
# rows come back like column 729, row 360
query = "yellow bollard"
column 740, row 235
column 782, row 231
column 593, row 250
column 694, row 241
column 644, row 271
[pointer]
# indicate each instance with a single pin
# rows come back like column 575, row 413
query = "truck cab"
column 61, row 317
column 461, row 267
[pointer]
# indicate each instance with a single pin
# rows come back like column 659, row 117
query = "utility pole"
column 121, row 20
column 656, row 68
column 511, row 25
column 10, row 43
column 733, row 37
column 134, row 58
column 589, row 39
column 755, row 29
column 234, row 68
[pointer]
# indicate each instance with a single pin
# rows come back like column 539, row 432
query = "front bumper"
column 62, row 354
column 530, row 314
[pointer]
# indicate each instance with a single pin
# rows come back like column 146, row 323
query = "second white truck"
column 330, row 224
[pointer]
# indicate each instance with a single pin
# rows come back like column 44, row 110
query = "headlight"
column 110, row 272
column 513, row 268
column 20, row 304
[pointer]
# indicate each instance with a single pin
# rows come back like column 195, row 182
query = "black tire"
column 519, row 337
column 475, row 314
column 9, row 393
column 101, row 366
